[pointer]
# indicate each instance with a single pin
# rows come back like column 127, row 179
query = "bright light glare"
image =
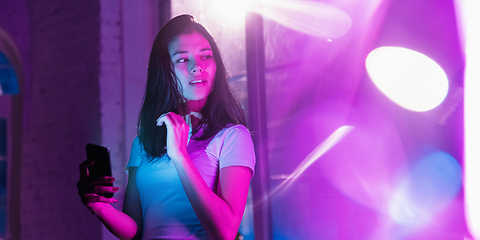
column 326, row 145
column 408, row 78
column 321, row 149
column 310, row 17
column 231, row 12
column 428, row 188
column 467, row 15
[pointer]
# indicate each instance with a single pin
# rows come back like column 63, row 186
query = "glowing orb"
column 408, row 78
column 429, row 187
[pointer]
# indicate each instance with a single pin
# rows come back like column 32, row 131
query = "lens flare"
column 310, row 17
column 429, row 187
column 408, row 78
column 321, row 149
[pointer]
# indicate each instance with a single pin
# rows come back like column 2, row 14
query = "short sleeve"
column 136, row 153
column 237, row 149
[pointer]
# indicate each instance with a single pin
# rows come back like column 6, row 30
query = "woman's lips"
column 197, row 81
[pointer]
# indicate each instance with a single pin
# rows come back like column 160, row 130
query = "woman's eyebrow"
column 179, row 52
column 201, row 50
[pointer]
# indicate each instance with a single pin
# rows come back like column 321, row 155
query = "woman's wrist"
column 181, row 157
column 99, row 211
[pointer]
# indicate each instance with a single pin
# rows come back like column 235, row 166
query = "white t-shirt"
column 167, row 212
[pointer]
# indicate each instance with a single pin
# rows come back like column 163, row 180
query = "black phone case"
column 101, row 166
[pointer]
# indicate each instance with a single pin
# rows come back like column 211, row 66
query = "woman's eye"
column 208, row 57
column 182, row 60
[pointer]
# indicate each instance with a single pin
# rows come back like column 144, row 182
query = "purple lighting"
column 365, row 115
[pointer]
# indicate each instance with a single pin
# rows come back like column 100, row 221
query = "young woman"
column 191, row 163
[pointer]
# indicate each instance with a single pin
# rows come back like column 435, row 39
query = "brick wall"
column 63, row 116
column 111, row 81
column 74, row 93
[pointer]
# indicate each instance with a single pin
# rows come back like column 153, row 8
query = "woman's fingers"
column 96, row 189
column 96, row 180
column 84, row 168
column 90, row 188
column 96, row 185
column 177, row 133
column 91, row 198
column 176, row 125
column 161, row 120
column 104, row 189
column 167, row 118
column 170, row 119
column 101, row 180
column 176, row 119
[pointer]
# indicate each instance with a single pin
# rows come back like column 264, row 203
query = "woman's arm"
column 126, row 224
column 220, row 214
column 131, row 203
column 119, row 223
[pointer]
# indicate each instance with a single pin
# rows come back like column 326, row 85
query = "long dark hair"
column 162, row 94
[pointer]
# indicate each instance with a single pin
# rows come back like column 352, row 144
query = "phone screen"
column 101, row 166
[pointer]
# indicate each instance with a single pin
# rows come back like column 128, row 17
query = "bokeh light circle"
column 428, row 188
column 408, row 78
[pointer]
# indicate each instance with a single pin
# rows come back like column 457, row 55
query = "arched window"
column 8, row 78
column 11, row 112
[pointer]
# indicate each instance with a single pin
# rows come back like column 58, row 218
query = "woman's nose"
column 196, row 66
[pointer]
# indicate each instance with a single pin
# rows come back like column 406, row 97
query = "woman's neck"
column 192, row 106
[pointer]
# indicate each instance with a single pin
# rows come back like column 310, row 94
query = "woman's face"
column 194, row 65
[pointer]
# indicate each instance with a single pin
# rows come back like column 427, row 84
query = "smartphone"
column 101, row 166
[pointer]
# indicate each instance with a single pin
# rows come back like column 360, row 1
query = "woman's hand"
column 177, row 134
column 90, row 188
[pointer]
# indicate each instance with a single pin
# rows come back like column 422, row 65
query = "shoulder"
column 234, row 130
column 236, row 147
column 232, row 133
column 238, row 127
column 233, row 136
column 136, row 140
column 137, row 146
column 230, row 136
column 136, row 154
